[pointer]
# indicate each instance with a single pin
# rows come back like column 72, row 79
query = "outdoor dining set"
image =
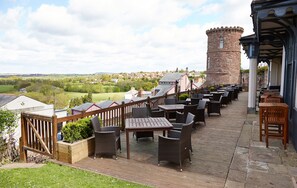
column 174, row 117
column 273, row 117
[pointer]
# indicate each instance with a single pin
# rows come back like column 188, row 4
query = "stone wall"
column 223, row 55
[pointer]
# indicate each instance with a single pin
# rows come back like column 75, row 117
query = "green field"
column 7, row 88
column 97, row 97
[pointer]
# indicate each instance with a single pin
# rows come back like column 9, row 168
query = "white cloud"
column 210, row 8
column 113, row 36
column 11, row 18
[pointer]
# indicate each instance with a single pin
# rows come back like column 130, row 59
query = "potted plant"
column 78, row 141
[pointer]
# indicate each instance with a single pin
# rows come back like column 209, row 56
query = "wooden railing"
column 39, row 133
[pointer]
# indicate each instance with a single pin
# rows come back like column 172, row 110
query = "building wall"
column 223, row 55
column 26, row 104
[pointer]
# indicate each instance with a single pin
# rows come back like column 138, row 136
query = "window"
column 221, row 42
column 208, row 62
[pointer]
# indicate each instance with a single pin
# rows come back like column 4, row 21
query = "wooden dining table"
column 145, row 124
column 169, row 108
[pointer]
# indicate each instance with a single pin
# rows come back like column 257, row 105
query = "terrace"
column 226, row 153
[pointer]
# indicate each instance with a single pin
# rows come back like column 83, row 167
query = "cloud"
column 210, row 8
column 113, row 36
column 134, row 13
column 10, row 19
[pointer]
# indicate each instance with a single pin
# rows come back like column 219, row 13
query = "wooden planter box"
column 72, row 153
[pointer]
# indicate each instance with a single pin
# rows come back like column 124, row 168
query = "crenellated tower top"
column 225, row 29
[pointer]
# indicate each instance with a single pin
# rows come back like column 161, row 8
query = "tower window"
column 221, row 42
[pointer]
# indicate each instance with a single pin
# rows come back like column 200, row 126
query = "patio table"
column 168, row 108
column 145, row 124
column 207, row 95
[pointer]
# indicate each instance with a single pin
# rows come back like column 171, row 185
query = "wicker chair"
column 181, row 117
column 195, row 100
column 175, row 147
column 170, row 101
column 107, row 139
column 141, row 112
column 154, row 112
column 225, row 98
column 214, row 107
column 171, row 115
column 200, row 112
column 178, row 127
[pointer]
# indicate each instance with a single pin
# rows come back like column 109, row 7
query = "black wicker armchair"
column 214, row 107
column 175, row 147
column 154, row 112
column 200, row 112
column 141, row 112
column 107, row 139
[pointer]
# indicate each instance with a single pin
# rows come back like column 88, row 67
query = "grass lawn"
column 7, row 88
column 97, row 97
column 53, row 175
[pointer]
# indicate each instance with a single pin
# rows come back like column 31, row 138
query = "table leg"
column 164, row 134
column 127, row 144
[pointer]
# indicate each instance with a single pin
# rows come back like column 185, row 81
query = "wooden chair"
column 175, row 147
column 141, row 112
column 107, row 139
column 272, row 99
column 276, row 124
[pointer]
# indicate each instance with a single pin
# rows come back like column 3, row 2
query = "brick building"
column 223, row 55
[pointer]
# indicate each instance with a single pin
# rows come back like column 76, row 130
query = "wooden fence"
column 39, row 133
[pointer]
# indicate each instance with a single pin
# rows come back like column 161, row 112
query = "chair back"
column 139, row 112
column 190, row 118
column 201, row 104
column 195, row 100
column 216, row 96
column 220, row 99
column 277, row 115
column 186, row 132
column 273, row 100
column 190, row 108
column 226, row 93
column 170, row 101
column 96, row 124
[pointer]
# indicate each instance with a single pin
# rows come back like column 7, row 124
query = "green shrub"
column 78, row 130
column 183, row 96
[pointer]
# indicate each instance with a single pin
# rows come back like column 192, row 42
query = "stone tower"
column 223, row 55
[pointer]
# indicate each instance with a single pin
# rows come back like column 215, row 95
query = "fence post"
column 123, row 116
column 148, row 101
column 23, row 152
column 55, row 132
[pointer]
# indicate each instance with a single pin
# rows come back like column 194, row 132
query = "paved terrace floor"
column 227, row 153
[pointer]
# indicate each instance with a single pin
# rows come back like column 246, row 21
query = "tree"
column 8, row 124
column 75, row 102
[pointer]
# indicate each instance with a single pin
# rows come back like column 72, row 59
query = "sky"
column 89, row 36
